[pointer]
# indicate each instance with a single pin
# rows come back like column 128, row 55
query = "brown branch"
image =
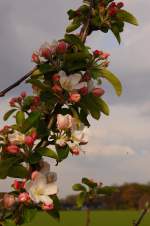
column 144, row 212
column 85, row 28
column 17, row 83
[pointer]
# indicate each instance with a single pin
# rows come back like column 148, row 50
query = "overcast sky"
column 119, row 145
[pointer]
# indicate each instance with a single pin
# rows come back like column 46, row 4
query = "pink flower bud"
column 29, row 140
column 57, row 88
column 19, row 100
column 97, row 92
column 35, row 58
column 13, row 149
column 86, row 77
column 34, row 175
column 84, row 91
column 97, row 53
column 8, row 201
column 75, row 150
column 16, row 185
column 24, row 197
column 34, row 135
column 47, row 206
column 13, row 101
column 45, row 52
column 112, row 11
column 113, row 4
column 120, row 5
column 104, row 56
column 23, row 183
column 56, row 77
column 62, row 47
column 74, row 97
column 23, row 94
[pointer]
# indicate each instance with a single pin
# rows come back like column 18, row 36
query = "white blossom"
column 71, row 82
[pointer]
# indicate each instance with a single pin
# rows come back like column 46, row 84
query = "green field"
column 99, row 218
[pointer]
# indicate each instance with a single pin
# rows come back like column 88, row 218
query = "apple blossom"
column 64, row 121
column 16, row 137
column 71, row 82
column 39, row 189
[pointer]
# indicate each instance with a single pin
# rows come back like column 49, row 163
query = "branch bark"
column 85, row 28
column 17, row 83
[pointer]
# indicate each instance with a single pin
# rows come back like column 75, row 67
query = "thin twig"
column 144, row 212
column 84, row 30
column 17, row 83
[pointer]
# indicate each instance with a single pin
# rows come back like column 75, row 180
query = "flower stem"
column 144, row 212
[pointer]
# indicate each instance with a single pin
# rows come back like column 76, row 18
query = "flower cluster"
column 49, row 51
column 36, row 191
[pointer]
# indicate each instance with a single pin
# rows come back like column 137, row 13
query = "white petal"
column 46, row 199
column 81, row 85
column 62, row 74
column 50, row 189
column 75, row 79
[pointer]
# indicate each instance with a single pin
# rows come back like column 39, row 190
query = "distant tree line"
column 128, row 196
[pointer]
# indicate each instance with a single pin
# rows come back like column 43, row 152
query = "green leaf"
column 44, row 68
column 78, row 187
column 103, row 106
column 88, row 182
column 37, row 83
column 89, row 103
column 31, row 121
column 81, row 198
column 36, row 73
column 127, row 17
column 27, row 103
column 73, row 25
column 116, row 32
column 20, row 118
column 8, row 114
column 74, row 40
column 115, row 82
column 54, row 214
column 18, row 171
column 29, row 214
column 62, row 152
column 34, row 158
column 5, row 166
column 47, row 152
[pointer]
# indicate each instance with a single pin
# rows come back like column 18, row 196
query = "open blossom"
column 62, row 140
column 16, row 137
column 39, row 189
column 71, row 82
column 80, row 136
column 64, row 121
